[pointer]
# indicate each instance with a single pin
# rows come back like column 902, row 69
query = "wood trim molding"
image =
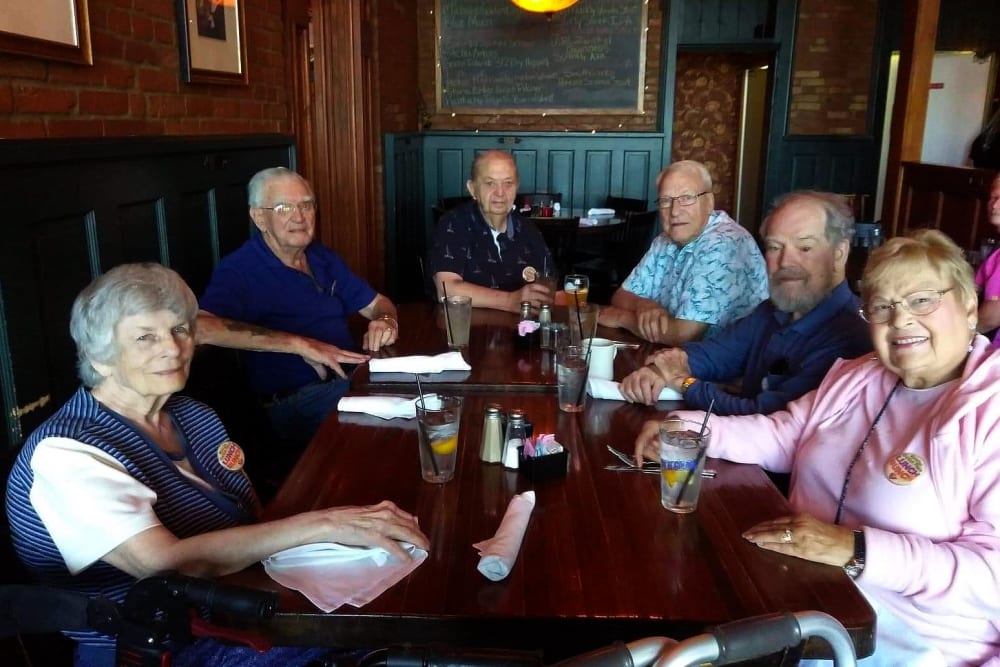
column 297, row 16
column 909, row 111
column 345, row 129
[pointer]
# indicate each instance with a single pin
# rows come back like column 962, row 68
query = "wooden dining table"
column 498, row 362
column 601, row 559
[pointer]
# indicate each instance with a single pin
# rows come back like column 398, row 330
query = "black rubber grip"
column 755, row 637
column 234, row 600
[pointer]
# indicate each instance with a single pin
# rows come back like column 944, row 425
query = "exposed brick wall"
column 645, row 122
column 134, row 86
column 706, row 124
column 832, row 68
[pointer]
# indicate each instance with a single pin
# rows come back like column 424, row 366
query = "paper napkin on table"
column 600, row 212
column 332, row 574
column 386, row 407
column 611, row 390
column 448, row 361
column 498, row 554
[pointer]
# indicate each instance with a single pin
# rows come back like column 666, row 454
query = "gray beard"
column 800, row 303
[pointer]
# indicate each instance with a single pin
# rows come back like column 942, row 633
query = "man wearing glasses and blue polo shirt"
column 302, row 292
column 701, row 273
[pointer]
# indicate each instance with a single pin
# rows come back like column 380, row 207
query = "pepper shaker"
column 514, row 439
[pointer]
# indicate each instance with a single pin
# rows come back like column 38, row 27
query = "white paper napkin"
column 598, row 212
column 386, row 407
column 498, row 554
column 331, row 575
column 448, row 361
column 611, row 390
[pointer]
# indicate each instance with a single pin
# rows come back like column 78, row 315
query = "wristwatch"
column 687, row 384
column 856, row 565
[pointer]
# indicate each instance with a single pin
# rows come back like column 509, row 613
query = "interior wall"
column 707, row 103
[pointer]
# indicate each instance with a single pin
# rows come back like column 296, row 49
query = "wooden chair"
column 560, row 236
column 635, row 242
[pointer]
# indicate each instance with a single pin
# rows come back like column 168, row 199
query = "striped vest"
column 183, row 507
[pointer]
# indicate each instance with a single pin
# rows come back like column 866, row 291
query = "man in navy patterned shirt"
column 486, row 251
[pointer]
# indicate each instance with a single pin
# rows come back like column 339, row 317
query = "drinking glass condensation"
column 571, row 374
column 577, row 287
column 682, row 460
column 458, row 319
column 438, row 421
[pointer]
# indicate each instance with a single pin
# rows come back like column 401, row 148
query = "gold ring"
column 786, row 537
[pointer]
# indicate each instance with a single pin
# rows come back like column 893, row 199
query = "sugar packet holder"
column 542, row 459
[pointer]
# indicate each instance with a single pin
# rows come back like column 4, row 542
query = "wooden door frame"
column 336, row 125
column 909, row 111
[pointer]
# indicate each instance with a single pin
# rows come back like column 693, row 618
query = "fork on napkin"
column 331, row 574
column 447, row 361
column 498, row 554
column 385, row 407
column 611, row 390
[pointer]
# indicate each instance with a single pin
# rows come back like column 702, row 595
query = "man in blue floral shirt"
column 701, row 273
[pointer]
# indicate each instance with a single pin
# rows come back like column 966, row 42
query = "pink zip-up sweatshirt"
column 926, row 490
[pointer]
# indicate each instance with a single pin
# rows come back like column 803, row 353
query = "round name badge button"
column 904, row 468
column 231, row 456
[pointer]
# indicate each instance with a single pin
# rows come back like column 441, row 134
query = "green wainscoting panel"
column 84, row 206
column 421, row 168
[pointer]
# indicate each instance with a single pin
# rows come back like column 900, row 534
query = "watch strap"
column 856, row 565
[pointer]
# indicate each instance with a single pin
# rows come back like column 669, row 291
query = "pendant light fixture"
column 544, row 6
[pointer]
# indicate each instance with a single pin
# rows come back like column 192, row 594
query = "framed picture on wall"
column 53, row 29
column 212, row 39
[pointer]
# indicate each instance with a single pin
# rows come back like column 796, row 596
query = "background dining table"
column 601, row 559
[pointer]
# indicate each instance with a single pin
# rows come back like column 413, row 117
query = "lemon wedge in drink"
column 445, row 446
column 671, row 476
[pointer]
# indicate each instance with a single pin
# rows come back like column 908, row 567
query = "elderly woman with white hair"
column 895, row 461
column 127, row 480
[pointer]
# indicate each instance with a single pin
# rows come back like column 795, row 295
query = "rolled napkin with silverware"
column 447, row 361
column 611, row 390
column 499, row 553
column 332, row 574
column 384, row 407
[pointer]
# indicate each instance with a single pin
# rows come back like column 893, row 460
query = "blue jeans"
column 208, row 652
column 296, row 418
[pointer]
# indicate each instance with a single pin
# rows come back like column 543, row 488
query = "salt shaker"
column 491, row 447
column 525, row 310
column 514, row 438
column 545, row 321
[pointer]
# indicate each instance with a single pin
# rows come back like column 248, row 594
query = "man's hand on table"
column 382, row 332
column 322, row 355
column 383, row 525
column 535, row 293
column 652, row 320
column 666, row 368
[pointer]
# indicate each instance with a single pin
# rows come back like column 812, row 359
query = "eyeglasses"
column 923, row 302
column 683, row 200
column 285, row 209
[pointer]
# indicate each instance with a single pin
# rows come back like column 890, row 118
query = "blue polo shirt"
column 778, row 359
column 463, row 244
column 252, row 285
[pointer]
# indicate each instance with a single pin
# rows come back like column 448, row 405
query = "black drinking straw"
column 701, row 455
column 447, row 320
column 586, row 358
column 426, row 440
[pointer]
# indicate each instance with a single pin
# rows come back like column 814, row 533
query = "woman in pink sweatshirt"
column 895, row 461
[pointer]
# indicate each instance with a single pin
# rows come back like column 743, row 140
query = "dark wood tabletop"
column 498, row 362
column 601, row 559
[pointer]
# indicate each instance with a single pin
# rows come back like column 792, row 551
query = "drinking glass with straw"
column 701, row 454
column 423, row 438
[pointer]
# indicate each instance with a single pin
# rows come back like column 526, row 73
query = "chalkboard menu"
column 493, row 56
